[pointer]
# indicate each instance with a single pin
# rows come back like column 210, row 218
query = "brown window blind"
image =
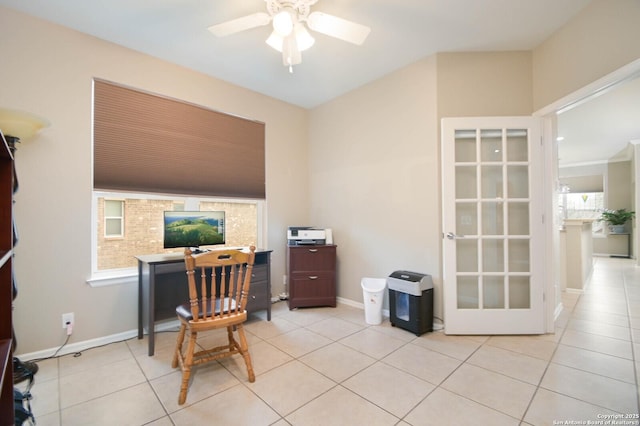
column 148, row 143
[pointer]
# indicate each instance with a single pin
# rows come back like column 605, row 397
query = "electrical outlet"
column 67, row 319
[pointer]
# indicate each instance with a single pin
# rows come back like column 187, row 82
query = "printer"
column 308, row 235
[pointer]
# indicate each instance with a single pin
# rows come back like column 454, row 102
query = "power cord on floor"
column 79, row 353
column 55, row 354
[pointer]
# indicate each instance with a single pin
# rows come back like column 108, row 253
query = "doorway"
column 550, row 114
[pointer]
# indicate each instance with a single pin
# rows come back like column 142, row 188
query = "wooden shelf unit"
column 6, row 281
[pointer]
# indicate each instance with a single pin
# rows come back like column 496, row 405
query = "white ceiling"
column 601, row 128
column 402, row 32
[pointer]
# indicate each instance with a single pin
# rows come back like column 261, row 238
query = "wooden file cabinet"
column 312, row 276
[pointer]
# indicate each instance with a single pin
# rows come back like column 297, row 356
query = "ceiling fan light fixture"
column 290, row 51
column 303, row 38
column 291, row 20
column 284, row 22
column 275, row 41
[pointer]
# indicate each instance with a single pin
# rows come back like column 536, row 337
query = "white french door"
column 493, row 235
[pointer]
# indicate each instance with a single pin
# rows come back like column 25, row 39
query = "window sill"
column 116, row 277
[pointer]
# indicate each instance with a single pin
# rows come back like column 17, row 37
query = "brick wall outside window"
column 143, row 230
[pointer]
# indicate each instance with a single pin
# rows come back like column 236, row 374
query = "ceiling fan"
column 289, row 34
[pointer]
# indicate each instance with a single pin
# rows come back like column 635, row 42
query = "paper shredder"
column 411, row 301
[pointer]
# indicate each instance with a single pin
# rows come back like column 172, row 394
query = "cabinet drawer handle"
column 313, row 277
column 313, row 250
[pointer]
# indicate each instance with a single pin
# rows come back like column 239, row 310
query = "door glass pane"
column 518, row 181
column 468, row 294
column 493, row 255
column 465, row 146
column 492, row 219
column 466, row 219
column 517, row 147
column 466, row 182
column 491, row 145
column 519, row 255
column 493, row 292
column 518, row 218
column 467, row 255
column 491, row 181
column 519, row 293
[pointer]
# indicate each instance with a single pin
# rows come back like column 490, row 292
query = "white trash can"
column 373, row 295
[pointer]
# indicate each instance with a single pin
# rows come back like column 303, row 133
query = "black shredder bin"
column 411, row 301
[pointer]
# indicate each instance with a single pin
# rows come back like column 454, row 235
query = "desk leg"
column 146, row 302
column 151, row 302
column 140, row 325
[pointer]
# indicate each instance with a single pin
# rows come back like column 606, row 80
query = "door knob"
column 452, row 236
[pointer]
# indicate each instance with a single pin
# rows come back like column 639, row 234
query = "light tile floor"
column 326, row 366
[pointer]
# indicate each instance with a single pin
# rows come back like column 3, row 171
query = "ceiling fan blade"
column 338, row 27
column 240, row 24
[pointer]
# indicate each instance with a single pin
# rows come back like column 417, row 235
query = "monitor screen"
column 193, row 229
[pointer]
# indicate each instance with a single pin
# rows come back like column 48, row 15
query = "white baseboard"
column 101, row 341
column 92, row 343
column 349, row 302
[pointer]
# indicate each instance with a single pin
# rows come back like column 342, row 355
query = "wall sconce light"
column 19, row 125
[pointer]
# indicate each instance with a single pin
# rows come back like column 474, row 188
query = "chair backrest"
column 224, row 281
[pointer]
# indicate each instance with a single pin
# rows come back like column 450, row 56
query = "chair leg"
column 244, row 350
column 186, row 368
column 178, row 350
column 230, row 338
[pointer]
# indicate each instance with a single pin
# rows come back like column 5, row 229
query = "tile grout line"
column 555, row 349
column 633, row 351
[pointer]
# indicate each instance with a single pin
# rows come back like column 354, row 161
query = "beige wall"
column 375, row 162
column 48, row 71
column 598, row 41
column 484, row 84
column 374, row 174
column 619, row 193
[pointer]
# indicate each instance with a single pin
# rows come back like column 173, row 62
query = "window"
column 147, row 145
column 143, row 222
column 113, row 218
column 582, row 196
column 585, row 205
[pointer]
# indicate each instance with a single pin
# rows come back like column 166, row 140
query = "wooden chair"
column 217, row 302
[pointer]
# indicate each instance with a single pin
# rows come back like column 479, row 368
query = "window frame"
column 99, row 278
column 121, row 218
column 598, row 231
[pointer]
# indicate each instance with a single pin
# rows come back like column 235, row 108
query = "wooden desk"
column 162, row 285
